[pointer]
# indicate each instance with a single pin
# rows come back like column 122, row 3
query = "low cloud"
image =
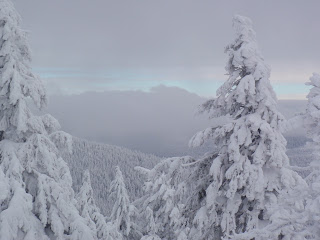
column 160, row 121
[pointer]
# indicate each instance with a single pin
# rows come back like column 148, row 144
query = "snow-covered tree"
column 175, row 189
column 301, row 221
column 150, row 226
column 297, row 214
column 233, row 192
column 312, row 116
column 294, row 217
column 103, row 159
column 251, row 168
column 91, row 213
column 36, row 199
column 123, row 211
column 312, row 126
column 166, row 190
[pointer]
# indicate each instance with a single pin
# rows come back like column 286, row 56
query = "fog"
column 160, row 121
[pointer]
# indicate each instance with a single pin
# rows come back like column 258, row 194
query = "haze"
column 96, row 45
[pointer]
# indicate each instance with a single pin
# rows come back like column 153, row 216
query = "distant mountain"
column 101, row 160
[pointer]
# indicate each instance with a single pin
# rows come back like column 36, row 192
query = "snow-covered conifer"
column 312, row 126
column 91, row 213
column 37, row 200
column 300, row 221
column 251, row 168
column 123, row 211
column 168, row 185
column 297, row 212
column 150, row 226
column 312, row 116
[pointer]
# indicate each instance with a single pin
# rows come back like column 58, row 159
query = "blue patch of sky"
column 130, row 79
column 291, row 89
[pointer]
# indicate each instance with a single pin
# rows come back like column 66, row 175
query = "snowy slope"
column 101, row 160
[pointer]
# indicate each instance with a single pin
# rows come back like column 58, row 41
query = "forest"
column 249, row 185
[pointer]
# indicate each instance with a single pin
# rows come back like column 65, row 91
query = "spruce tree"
column 167, row 188
column 37, row 200
column 89, row 211
column 150, row 226
column 123, row 211
column 232, row 192
column 312, row 116
column 296, row 215
column 251, row 168
column 300, row 221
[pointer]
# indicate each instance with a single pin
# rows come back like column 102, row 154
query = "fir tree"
column 251, row 168
column 166, row 190
column 37, row 200
column 296, row 215
column 150, row 226
column 300, row 221
column 234, row 191
column 122, row 212
column 312, row 116
column 90, row 212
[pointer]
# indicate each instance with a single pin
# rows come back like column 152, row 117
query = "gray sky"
column 82, row 45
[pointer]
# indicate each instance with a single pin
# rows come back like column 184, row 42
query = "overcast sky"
column 81, row 45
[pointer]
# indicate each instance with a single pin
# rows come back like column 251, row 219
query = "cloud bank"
column 160, row 121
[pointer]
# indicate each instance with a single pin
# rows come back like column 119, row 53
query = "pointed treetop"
column 243, row 27
column 244, row 52
column 118, row 172
column 86, row 190
column 86, row 177
column 247, row 90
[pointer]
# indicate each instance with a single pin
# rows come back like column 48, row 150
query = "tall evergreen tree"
column 300, row 221
column 150, row 226
column 122, row 211
column 251, row 168
column 90, row 212
column 233, row 192
column 167, row 187
column 312, row 125
column 297, row 214
column 312, row 116
column 37, row 200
